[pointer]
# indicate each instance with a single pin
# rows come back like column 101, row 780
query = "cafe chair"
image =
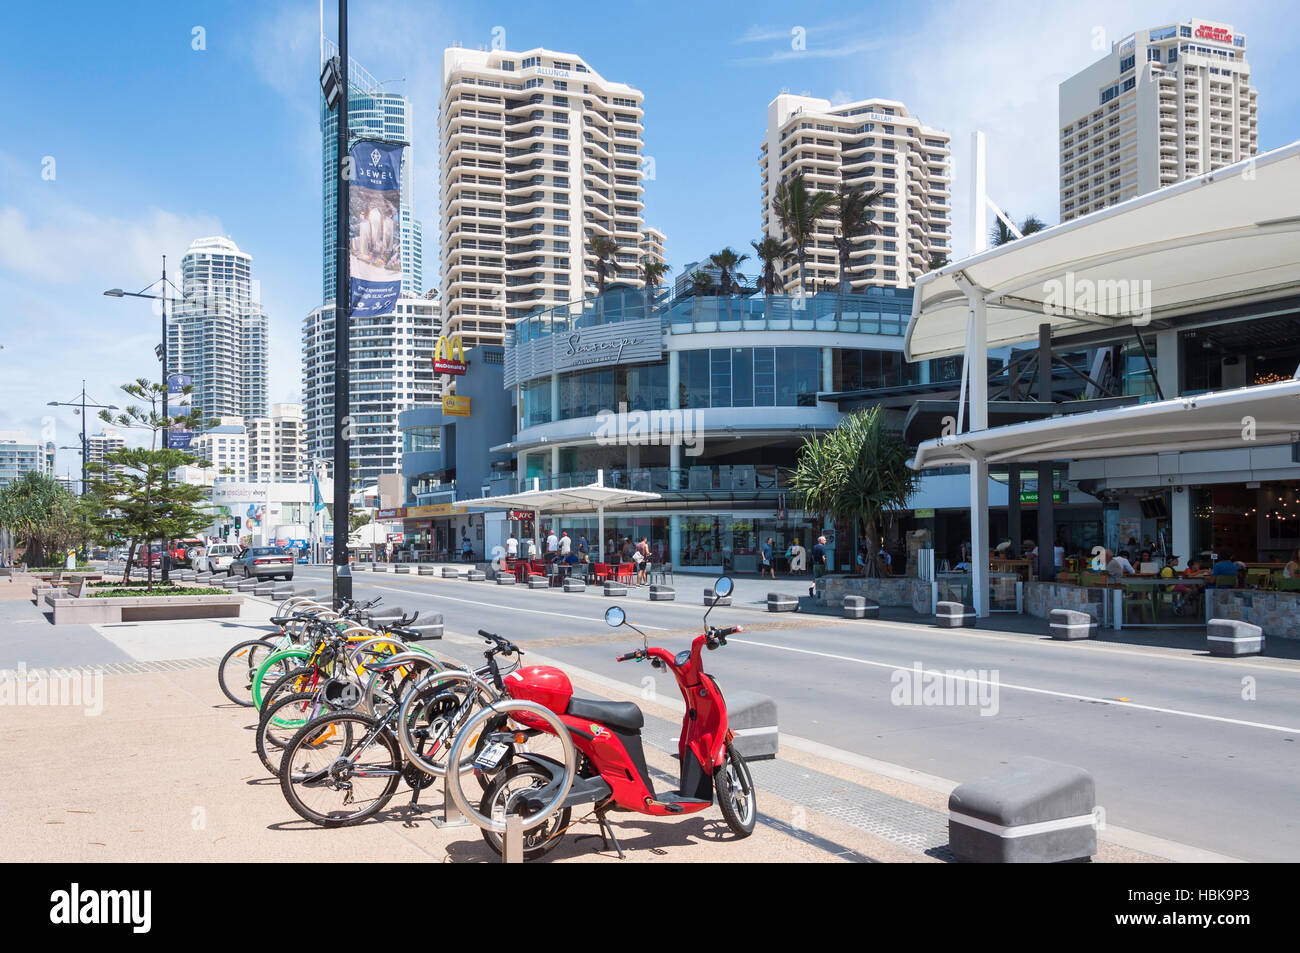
column 1139, row 600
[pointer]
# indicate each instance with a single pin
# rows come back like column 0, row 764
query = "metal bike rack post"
column 512, row 846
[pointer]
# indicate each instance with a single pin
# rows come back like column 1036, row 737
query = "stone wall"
column 1042, row 597
column 1277, row 613
column 898, row 591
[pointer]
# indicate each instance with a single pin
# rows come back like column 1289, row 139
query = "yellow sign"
column 454, row 406
column 449, row 355
column 436, row 509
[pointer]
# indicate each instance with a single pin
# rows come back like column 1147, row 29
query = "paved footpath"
column 152, row 763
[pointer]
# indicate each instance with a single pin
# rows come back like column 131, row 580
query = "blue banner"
column 375, row 228
column 179, row 439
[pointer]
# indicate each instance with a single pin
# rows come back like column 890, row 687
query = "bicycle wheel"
column 275, row 666
column 735, row 790
column 505, row 795
column 340, row 769
column 281, row 720
column 305, row 679
column 431, row 715
column 237, row 667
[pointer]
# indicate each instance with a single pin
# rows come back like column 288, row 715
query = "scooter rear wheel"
column 502, row 798
column 735, row 790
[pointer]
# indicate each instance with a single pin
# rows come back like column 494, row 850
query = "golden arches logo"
column 449, row 355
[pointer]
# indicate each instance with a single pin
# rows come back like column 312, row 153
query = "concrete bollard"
column 450, row 572
column 615, row 589
column 1068, row 625
column 663, row 594
column 505, row 579
column 954, row 615
column 264, row 589
column 402, row 568
column 857, row 607
column 475, row 576
column 574, row 585
column 778, row 602
column 538, row 582
column 1232, row 637
column 713, row 599
column 1030, row 811
column 753, row 719
column 423, row 570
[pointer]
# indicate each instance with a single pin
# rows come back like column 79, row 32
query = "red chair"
column 521, row 571
column 599, row 572
column 624, row 572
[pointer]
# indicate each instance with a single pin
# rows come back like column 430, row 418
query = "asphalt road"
column 1197, row 750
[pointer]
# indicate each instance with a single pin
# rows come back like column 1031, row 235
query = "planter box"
column 143, row 608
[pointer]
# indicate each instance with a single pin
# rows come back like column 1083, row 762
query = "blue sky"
column 155, row 143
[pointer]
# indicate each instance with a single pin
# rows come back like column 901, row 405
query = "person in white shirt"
column 1118, row 566
column 552, row 545
column 566, row 544
column 512, row 546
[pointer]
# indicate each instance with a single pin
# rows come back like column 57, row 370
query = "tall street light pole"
column 342, row 572
column 162, row 356
column 82, row 405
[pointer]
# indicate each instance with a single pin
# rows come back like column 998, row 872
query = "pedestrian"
column 583, row 554
column 552, row 546
column 466, row 548
column 819, row 563
column 765, row 564
column 1118, row 566
column 566, row 545
column 512, row 546
column 641, row 556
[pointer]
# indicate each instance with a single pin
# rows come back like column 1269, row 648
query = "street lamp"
column 161, row 352
column 82, row 405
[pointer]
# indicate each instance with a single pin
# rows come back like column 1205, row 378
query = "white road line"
column 1026, row 688
column 497, row 605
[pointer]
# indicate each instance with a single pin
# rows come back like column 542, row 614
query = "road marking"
column 1027, row 688
column 497, row 605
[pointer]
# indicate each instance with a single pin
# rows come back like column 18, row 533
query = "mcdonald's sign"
column 449, row 356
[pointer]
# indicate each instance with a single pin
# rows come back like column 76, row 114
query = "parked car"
column 217, row 558
column 263, row 562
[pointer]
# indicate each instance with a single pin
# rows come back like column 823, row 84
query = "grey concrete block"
column 779, row 602
column 1029, row 811
column 539, row 582
column 710, row 599
column 423, row 570
column 1232, row 637
column 231, row 582
column 264, row 589
column 860, row 607
column 753, row 719
column 663, row 594
column 475, row 576
column 450, row 572
column 306, row 593
column 505, row 579
column 954, row 615
column 615, row 589
column 574, row 585
column 402, row 568
column 247, row 585
column 1068, row 625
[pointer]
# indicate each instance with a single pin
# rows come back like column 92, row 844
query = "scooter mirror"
column 614, row 616
column 723, row 586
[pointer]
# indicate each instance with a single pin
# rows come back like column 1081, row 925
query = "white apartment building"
column 20, row 453
column 652, row 246
column 277, row 447
column 538, row 154
column 874, row 144
column 107, row 440
column 391, row 360
column 219, row 335
column 225, row 447
column 1165, row 104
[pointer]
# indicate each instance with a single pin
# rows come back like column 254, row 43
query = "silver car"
column 263, row 562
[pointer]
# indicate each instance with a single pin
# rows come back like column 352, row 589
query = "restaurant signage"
column 454, row 406
column 434, row 509
column 449, row 355
column 1030, row 497
column 391, row 514
column 600, row 345
column 525, row 515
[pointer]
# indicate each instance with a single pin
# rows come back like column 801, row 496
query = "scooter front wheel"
column 735, row 790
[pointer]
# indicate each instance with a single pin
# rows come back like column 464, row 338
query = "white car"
column 217, row 557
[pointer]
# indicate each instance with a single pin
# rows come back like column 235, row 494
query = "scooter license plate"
column 490, row 757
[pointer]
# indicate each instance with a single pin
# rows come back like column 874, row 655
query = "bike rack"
column 513, row 828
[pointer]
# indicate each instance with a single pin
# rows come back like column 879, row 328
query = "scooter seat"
column 625, row 715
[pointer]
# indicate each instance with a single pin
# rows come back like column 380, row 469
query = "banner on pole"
column 176, row 384
column 374, row 228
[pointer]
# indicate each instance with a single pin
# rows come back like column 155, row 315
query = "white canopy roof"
column 1232, row 235
column 573, row 499
column 1267, row 414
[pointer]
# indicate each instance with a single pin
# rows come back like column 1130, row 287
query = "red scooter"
column 612, row 773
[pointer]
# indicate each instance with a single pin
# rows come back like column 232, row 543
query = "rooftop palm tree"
column 855, row 216
column 727, row 261
column 938, row 261
column 701, row 283
column 604, row 249
column 999, row 234
column 652, row 272
column 771, row 251
column 797, row 209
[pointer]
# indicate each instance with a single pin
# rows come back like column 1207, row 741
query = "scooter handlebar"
column 729, row 630
column 628, row 656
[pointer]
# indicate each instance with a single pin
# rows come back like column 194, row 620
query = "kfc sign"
column 1215, row 33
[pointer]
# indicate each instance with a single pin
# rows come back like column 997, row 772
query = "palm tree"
column 727, row 261
column 855, row 216
column 701, row 283
column 604, row 248
column 999, row 234
column 652, row 276
column 797, row 209
column 856, row 472
column 770, row 251
column 938, row 261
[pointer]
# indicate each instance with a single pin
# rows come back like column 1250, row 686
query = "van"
column 218, row 557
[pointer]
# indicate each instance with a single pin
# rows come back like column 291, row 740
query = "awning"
column 573, row 499
column 1226, row 237
column 1264, row 415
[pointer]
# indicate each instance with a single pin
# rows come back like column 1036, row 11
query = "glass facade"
column 750, row 377
column 421, row 439
column 640, row 387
